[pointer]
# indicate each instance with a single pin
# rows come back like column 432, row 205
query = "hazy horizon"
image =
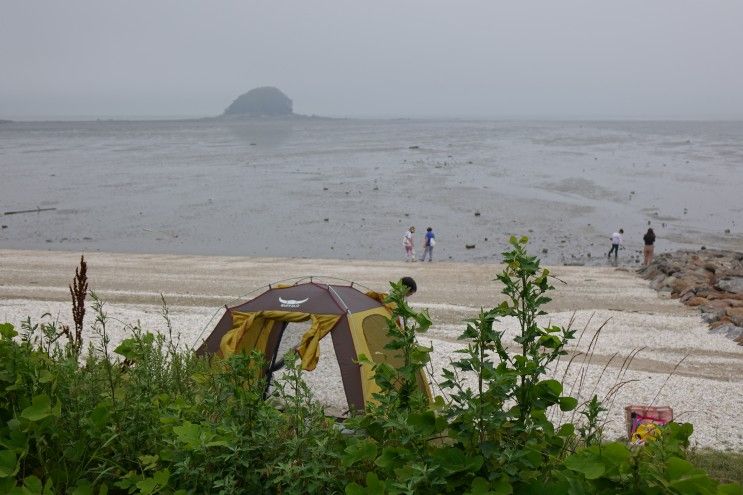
column 573, row 60
column 506, row 118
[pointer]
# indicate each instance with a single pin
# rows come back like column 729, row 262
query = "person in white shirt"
column 407, row 242
column 616, row 241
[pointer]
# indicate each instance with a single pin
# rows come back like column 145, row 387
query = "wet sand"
column 704, row 389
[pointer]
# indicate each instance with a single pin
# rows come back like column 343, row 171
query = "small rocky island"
column 261, row 102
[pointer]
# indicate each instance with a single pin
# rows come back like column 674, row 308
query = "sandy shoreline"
column 705, row 388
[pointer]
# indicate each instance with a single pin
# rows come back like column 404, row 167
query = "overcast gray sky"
column 385, row 58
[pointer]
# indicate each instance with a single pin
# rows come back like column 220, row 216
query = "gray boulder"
column 728, row 330
column 731, row 284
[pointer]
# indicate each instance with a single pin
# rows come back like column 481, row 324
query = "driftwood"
column 37, row 210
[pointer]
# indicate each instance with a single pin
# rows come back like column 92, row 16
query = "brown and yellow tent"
column 355, row 320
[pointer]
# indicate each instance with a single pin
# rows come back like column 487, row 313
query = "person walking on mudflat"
column 616, row 241
column 428, row 243
column 649, row 247
column 407, row 242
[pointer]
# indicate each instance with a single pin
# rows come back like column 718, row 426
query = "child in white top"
column 407, row 242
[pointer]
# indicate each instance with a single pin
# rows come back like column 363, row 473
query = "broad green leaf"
column 189, row 434
column 8, row 463
column 148, row 461
column 99, row 415
column 502, row 487
column 550, row 341
column 553, row 386
column 568, row 403
column 354, row 489
column 7, row 331
column 678, row 431
column 616, row 453
column 162, row 477
column 677, row 468
column 146, row 486
column 45, row 376
column 39, row 409
column 374, row 485
column 729, row 489
column 480, row 486
column 128, row 349
column 391, row 457
column 7, row 485
column 425, row 422
column 16, row 439
column 83, row 487
column 566, row 430
column 586, row 463
column 454, row 460
column 363, row 450
column 685, row 478
column 33, row 485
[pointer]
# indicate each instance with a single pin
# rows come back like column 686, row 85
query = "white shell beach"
column 681, row 365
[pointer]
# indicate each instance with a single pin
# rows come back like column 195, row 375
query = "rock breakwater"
column 709, row 279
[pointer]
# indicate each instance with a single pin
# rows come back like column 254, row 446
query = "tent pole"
column 338, row 299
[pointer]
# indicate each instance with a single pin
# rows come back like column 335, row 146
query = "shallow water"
column 350, row 188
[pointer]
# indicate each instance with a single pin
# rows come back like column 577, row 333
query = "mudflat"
column 349, row 189
column 677, row 363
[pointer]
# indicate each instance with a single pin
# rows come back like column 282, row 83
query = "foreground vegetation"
column 148, row 418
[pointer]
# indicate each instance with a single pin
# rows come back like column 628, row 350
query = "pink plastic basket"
column 635, row 415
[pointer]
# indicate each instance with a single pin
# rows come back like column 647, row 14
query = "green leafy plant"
column 590, row 431
column 504, row 419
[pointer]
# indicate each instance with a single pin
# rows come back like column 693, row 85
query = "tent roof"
column 310, row 297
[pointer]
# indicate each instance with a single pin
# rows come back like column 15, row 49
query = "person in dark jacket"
column 647, row 251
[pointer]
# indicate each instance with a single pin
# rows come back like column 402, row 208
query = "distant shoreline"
column 155, row 119
column 269, row 118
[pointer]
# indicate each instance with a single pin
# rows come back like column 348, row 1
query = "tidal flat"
column 348, row 189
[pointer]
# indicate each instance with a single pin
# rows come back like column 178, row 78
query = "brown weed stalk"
column 673, row 372
column 78, row 291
